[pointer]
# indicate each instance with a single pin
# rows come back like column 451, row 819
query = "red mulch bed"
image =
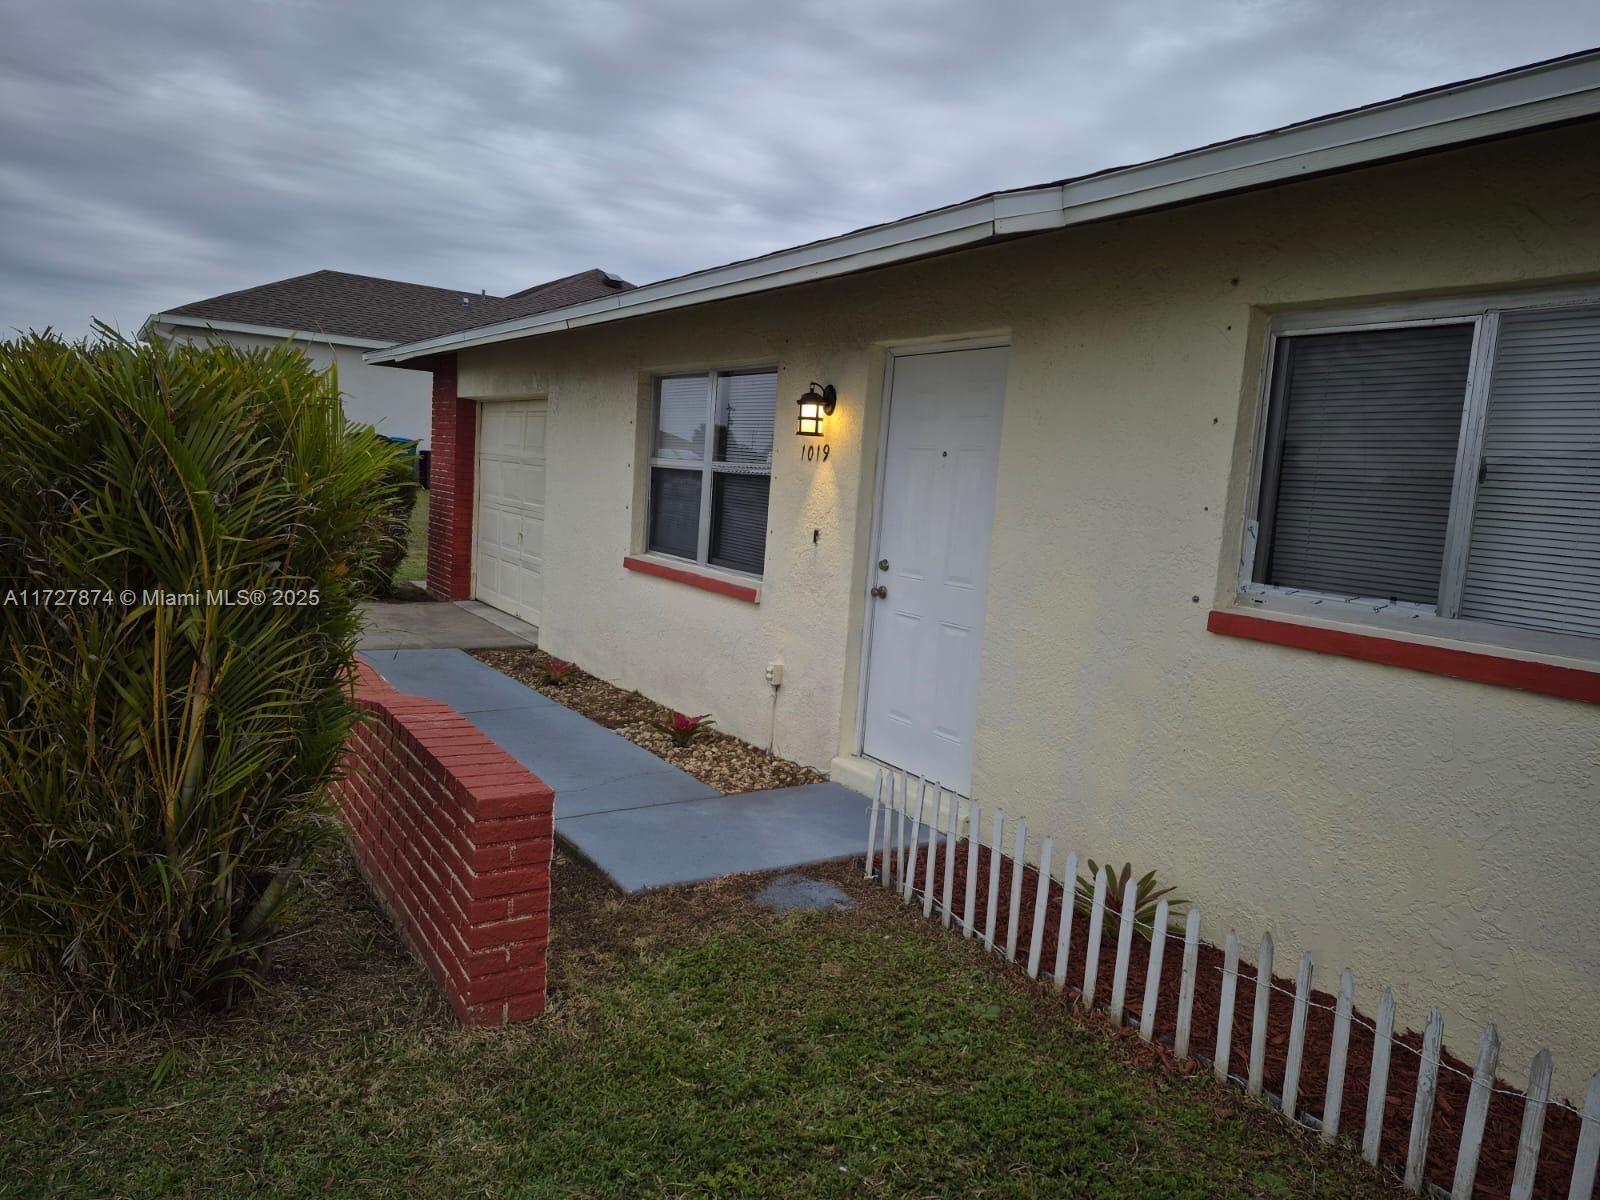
column 1501, row 1133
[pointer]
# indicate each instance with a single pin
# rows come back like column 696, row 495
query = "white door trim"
column 863, row 671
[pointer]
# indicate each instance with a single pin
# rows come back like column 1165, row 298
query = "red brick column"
column 455, row 837
column 450, row 491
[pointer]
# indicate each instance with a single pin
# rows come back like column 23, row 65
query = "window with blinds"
column 711, row 466
column 1534, row 555
column 1395, row 471
column 1361, row 449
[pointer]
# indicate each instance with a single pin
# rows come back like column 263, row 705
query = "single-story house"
column 337, row 317
column 1236, row 514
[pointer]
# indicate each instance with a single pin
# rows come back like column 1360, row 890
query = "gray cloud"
column 155, row 153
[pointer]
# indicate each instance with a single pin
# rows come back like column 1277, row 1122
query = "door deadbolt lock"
column 881, row 592
column 883, row 564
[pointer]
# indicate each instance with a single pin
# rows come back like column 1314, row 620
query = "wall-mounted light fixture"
column 816, row 404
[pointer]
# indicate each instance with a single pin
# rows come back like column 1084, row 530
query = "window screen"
column 739, row 522
column 675, row 512
column 1360, row 459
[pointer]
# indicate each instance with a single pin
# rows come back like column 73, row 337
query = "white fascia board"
column 1516, row 101
column 272, row 331
column 930, row 233
column 1528, row 100
column 804, row 272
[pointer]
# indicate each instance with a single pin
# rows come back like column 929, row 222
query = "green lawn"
column 415, row 564
column 696, row 1046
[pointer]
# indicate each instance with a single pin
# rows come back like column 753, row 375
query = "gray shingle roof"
column 387, row 310
column 572, row 289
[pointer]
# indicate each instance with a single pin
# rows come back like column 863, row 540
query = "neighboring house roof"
column 1524, row 98
column 377, row 312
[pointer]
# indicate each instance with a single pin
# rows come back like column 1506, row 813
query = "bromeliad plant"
column 685, row 730
column 556, row 673
column 170, row 720
column 1147, row 895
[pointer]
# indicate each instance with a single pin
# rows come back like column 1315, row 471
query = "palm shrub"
column 400, row 482
column 163, row 766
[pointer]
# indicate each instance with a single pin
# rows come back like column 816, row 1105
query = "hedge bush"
column 401, row 478
column 169, row 733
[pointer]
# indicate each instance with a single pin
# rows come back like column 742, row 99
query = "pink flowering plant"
column 685, row 730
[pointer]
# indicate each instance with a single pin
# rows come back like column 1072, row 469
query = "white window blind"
column 681, row 418
column 1360, row 461
column 747, row 407
column 1534, row 556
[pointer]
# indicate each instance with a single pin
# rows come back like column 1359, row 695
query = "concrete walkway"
column 435, row 625
column 642, row 821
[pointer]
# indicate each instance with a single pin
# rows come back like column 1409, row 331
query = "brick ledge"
column 695, row 579
column 1480, row 666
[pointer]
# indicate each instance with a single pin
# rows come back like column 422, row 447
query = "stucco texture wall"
column 396, row 401
column 1431, row 833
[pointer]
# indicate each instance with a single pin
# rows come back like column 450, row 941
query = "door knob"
column 881, row 592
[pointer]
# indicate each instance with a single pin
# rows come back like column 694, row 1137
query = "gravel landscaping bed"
column 716, row 759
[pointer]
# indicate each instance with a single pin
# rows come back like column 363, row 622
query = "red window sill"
column 1570, row 683
column 706, row 583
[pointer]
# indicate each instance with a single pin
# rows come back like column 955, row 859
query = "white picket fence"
column 909, row 838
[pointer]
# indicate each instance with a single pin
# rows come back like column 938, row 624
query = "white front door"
column 932, row 569
column 510, row 539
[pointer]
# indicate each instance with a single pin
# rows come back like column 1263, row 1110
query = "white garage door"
column 511, row 464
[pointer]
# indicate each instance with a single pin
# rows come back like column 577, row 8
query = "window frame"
column 707, row 465
column 1435, row 620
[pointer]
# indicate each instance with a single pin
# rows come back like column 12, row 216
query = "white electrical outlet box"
column 775, row 673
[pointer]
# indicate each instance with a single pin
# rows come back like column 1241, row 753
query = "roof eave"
column 1515, row 101
column 189, row 321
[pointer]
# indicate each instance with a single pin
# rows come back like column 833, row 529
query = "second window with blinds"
column 1449, row 467
column 711, row 467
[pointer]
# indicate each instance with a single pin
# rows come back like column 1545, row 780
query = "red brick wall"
column 455, row 837
column 450, row 487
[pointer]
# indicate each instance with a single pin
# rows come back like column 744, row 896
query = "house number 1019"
column 811, row 452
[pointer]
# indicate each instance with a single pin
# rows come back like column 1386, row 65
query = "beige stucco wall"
column 396, row 401
column 1432, row 833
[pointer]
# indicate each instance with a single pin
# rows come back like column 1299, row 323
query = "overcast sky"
column 156, row 153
